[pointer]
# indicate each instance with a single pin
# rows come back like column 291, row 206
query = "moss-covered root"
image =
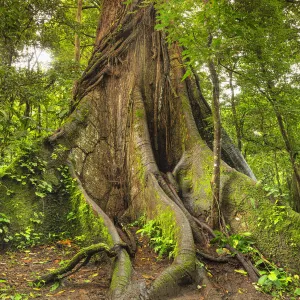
column 183, row 269
column 154, row 202
column 85, row 253
column 121, row 276
column 173, row 278
column 122, row 265
column 275, row 228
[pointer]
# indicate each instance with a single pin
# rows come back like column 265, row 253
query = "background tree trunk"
column 216, row 206
column 77, row 36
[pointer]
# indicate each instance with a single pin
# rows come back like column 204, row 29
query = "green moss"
column 141, row 172
column 275, row 228
column 196, row 181
column 87, row 226
column 166, row 222
column 139, row 113
column 35, row 184
column 114, row 279
column 19, row 205
column 122, row 272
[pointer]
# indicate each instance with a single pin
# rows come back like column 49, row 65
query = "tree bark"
column 77, row 36
column 287, row 143
column 234, row 113
column 134, row 120
column 216, row 207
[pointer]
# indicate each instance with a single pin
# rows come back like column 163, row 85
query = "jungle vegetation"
column 185, row 111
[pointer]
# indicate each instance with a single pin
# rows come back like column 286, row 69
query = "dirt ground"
column 19, row 269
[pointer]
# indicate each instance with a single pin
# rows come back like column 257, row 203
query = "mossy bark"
column 244, row 203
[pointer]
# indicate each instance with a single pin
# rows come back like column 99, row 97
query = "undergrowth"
column 161, row 233
column 273, row 280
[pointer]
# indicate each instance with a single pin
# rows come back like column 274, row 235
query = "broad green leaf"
column 297, row 292
column 55, row 286
column 262, row 279
column 272, row 276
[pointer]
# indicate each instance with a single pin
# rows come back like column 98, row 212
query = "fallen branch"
column 86, row 254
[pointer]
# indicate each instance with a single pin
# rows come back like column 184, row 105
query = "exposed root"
column 181, row 165
column 248, row 266
column 183, row 268
column 127, row 236
column 122, row 265
column 170, row 190
column 212, row 258
column 173, row 181
column 85, row 253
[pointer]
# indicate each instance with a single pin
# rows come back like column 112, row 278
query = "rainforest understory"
column 138, row 143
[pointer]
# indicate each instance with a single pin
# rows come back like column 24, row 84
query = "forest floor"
column 19, row 269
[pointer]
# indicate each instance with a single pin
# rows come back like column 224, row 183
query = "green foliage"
column 31, row 235
column 273, row 279
column 161, row 245
column 241, row 242
column 277, row 216
column 162, row 234
column 5, row 236
column 252, row 42
column 34, row 98
column 83, row 225
column 27, row 238
column 16, row 296
column 32, row 166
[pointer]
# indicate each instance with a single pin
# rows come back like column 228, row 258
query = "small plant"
column 4, row 229
column 274, row 191
column 58, row 152
column 273, row 280
column 278, row 214
column 27, row 238
column 37, row 218
column 55, row 286
column 30, row 237
column 71, row 216
column 278, row 283
column 161, row 244
column 139, row 222
column 43, row 188
column 16, row 296
column 241, row 242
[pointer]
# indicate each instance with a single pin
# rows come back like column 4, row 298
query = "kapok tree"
column 139, row 144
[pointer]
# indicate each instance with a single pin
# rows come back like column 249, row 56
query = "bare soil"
column 19, row 269
column 226, row 283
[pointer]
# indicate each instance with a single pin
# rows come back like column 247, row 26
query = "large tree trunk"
column 134, row 120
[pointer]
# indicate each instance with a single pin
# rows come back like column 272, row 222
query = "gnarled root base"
column 86, row 254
